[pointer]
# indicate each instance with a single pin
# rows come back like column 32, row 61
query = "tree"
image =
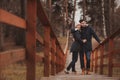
column 101, row 13
column 61, row 11
column 73, row 22
column 103, row 16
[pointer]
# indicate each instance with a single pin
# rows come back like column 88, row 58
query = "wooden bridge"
column 54, row 57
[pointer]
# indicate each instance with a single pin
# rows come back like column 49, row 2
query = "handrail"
column 8, row 18
column 58, row 52
column 100, row 49
column 107, row 39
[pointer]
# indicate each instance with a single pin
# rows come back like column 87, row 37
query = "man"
column 86, row 33
column 75, row 48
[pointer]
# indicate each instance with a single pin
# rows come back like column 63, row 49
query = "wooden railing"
column 103, row 55
column 54, row 57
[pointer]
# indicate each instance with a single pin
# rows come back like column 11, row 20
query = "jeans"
column 87, row 54
column 74, row 60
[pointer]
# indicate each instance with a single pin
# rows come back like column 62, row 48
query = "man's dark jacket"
column 76, row 45
column 88, row 33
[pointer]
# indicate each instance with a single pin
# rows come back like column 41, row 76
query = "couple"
column 82, row 44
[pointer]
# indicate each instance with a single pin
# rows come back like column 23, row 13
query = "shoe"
column 83, row 72
column 75, row 72
column 88, row 73
column 66, row 72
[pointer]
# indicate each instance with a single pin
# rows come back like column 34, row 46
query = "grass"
column 14, row 71
column 62, row 41
column 18, row 71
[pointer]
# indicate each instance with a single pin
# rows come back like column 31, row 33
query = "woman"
column 75, row 48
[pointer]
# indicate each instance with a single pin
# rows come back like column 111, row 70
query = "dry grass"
column 18, row 71
column 62, row 41
column 14, row 71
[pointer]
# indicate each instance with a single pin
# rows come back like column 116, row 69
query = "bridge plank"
column 10, row 19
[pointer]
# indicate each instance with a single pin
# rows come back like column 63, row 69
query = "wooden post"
column 46, row 51
column 101, row 59
column 96, row 60
column 1, row 73
column 31, row 39
column 61, row 60
column 53, row 56
column 110, row 58
column 92, row 61
column 0, row 69
column 57, row 59
column 64, row 61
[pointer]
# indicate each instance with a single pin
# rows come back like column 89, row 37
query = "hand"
column 84, row 40
column 73, row 39
column 100, row 42
column 86, row 24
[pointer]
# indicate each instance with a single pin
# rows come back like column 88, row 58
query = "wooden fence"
column 103, row 55
column 54, row 57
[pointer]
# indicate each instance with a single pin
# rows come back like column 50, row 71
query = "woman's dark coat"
column 76, row 45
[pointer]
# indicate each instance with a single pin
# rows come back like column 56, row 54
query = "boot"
column 66, row 71
column 75, row 72
column 83, row 72
column 88, row 72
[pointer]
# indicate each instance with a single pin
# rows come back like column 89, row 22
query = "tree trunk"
column 1, row 37
column 110, row 17
column 113, row 19
column 20, row 34
column 66, row 8
column 65, row 17
column 49, row 7
column 84, row 9
column 73, row 22
column 103, row 16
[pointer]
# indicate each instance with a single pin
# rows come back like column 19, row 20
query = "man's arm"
column 94, row 35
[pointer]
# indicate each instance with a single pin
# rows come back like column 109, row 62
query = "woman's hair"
column 81, row 20
column 77, row 25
